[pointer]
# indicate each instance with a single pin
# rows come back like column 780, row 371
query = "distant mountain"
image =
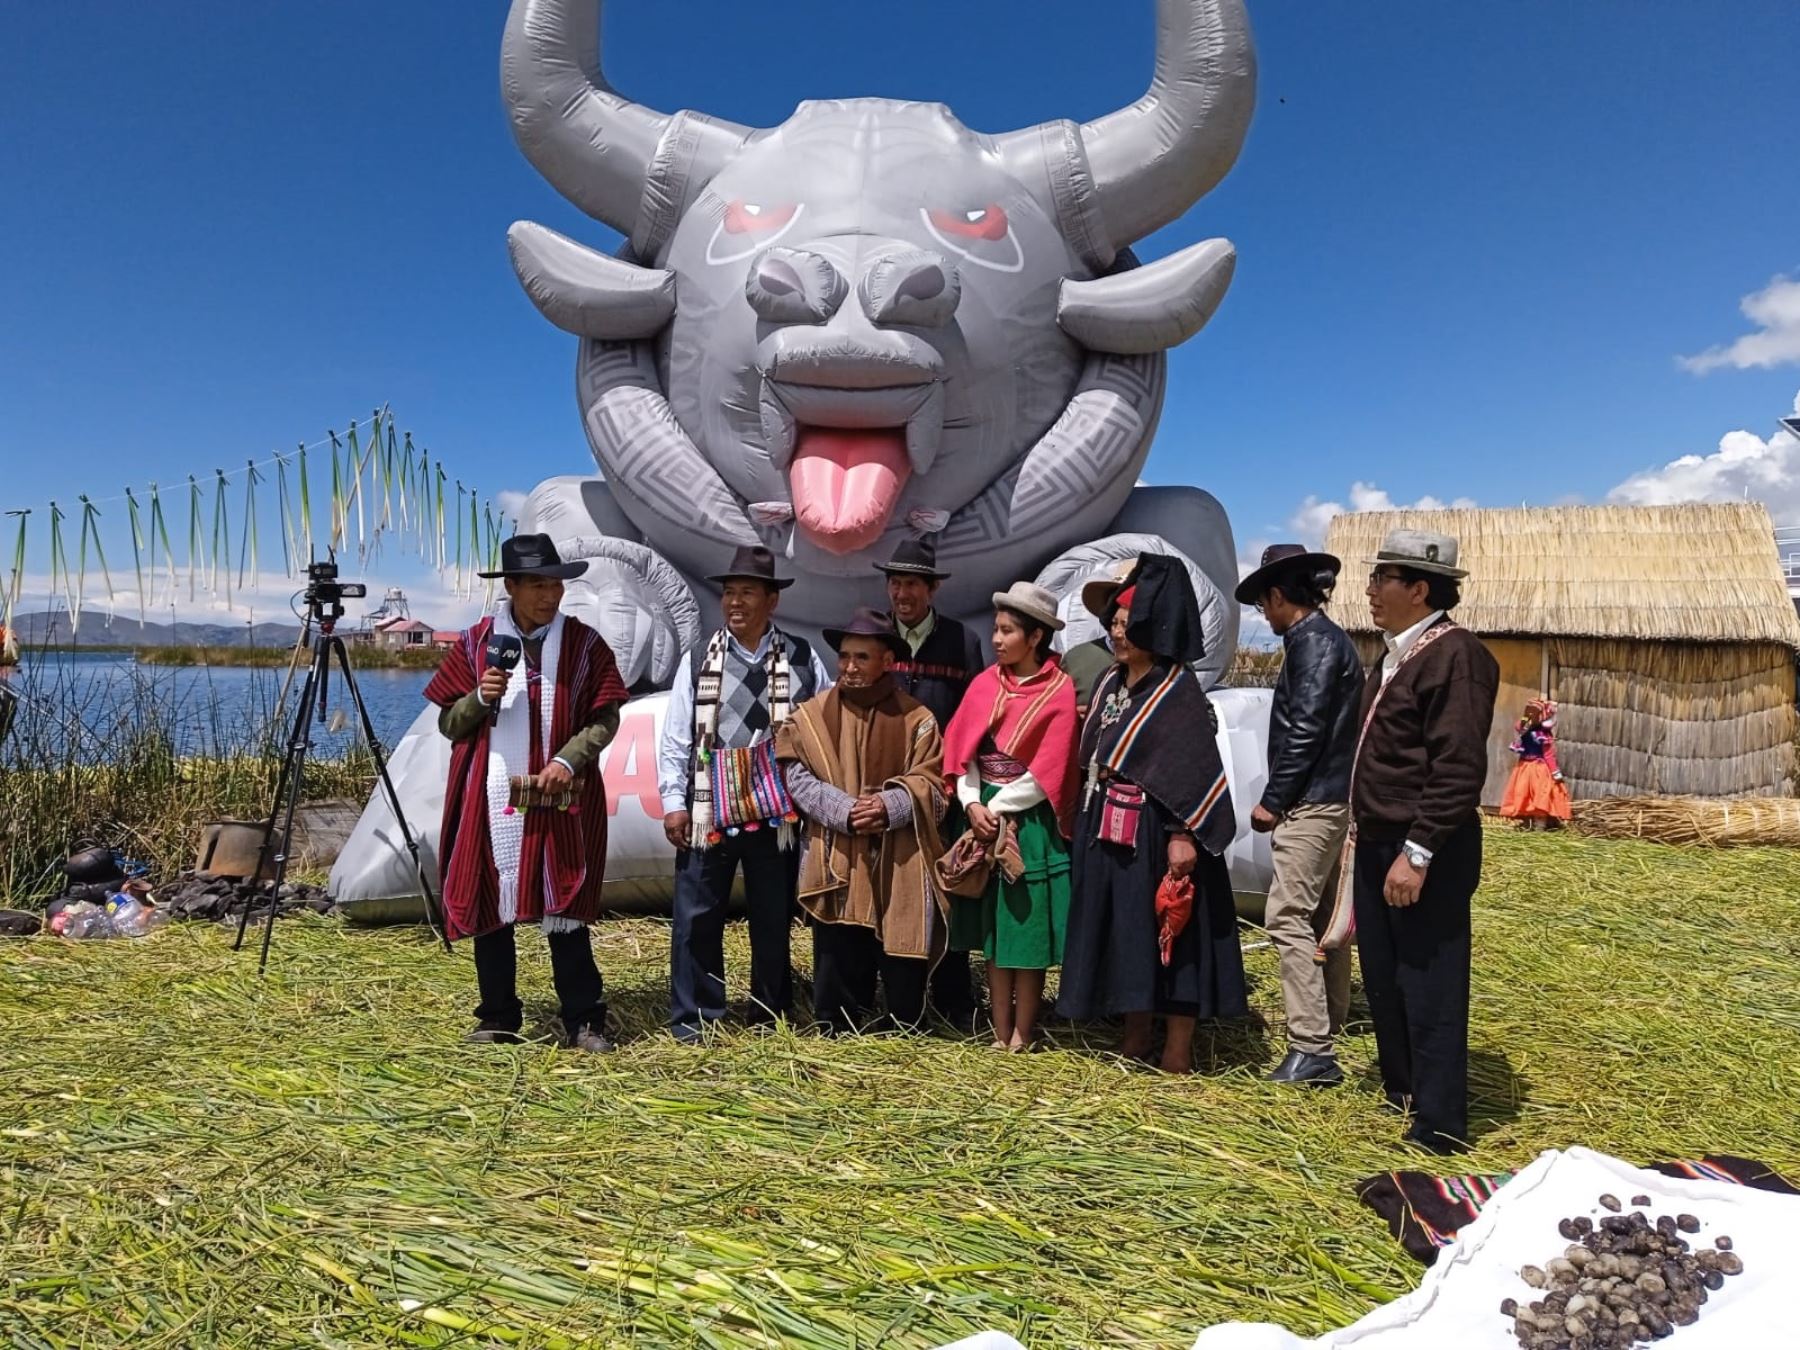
column 52, row 628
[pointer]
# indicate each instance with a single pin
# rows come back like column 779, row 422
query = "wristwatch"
column 1417, row 856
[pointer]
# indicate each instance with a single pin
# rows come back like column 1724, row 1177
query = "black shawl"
column 1162, row 736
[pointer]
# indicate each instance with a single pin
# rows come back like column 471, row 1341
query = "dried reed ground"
column 194, row 1158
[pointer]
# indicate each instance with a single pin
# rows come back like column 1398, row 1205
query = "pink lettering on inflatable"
column 629, row 766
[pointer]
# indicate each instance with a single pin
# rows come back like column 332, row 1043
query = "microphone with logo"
column 503, row 653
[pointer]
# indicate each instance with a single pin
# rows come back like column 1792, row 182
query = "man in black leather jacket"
column 1312, row 742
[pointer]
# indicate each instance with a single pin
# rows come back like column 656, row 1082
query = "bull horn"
column 1149, row 308
column 1147, row 163
column 597, row 148
column 588, row 293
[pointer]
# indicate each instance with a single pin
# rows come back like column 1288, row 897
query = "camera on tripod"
column 325, row 594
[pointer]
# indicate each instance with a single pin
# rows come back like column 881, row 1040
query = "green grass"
column 192, row 1157
column 368, row 657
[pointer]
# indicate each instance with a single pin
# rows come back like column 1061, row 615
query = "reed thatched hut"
column 1664, row 633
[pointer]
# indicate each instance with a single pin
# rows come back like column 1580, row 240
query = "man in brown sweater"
column 1415, row 802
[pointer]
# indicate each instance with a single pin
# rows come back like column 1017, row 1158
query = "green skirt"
column 1020, row 925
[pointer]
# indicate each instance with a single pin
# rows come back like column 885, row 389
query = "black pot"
column 92, row 867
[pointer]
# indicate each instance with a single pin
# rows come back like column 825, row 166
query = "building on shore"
column 1665, row 634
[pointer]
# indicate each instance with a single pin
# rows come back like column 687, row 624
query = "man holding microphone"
column 529, row 698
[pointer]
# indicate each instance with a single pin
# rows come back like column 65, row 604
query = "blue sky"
column 1474, row 239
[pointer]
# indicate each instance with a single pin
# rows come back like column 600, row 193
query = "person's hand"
column 868, row 815
column 1262, row 820
column 555, row 777
column 1403, row 884
column 493, row 684
column 983, row 822
column 1182, row 855
column 675, row 826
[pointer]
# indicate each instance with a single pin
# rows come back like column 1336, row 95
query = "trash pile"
column 108, row 896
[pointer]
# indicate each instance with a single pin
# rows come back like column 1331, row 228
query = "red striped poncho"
column 563, row 859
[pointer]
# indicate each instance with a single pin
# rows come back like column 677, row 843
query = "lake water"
column 94, row 700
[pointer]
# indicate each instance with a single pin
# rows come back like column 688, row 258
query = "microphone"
column 503, row 653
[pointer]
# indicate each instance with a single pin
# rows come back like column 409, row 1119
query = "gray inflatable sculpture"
column 867, row 322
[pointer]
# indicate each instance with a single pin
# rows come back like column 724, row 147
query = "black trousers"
column 953, row 987
column 697, row 936
column 578, row 985
column 846, row 961
column 1415, row 971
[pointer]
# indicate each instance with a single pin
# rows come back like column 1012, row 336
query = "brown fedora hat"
column 753, row 563
column 1279, row 560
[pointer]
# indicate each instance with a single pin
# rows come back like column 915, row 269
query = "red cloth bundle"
column 1174, row 907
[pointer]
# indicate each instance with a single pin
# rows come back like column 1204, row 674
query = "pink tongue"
column 845, row 484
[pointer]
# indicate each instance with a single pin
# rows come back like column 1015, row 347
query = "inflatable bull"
column 870, row 322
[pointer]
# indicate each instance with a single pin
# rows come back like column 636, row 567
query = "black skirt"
column 1111, row 965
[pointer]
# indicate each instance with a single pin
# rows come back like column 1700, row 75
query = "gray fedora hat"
column 1031, row 600
column 1419, row 550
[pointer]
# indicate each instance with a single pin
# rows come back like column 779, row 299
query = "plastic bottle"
column 82, row 920
column 128, row 916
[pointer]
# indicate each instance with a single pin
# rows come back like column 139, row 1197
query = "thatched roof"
column 1700, row 573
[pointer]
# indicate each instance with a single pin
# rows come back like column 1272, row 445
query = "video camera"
column 325, row 594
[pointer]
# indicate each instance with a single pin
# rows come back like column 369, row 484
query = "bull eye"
column 746, row 227
column 983, row 222
column 742, row 217
column 981, row 234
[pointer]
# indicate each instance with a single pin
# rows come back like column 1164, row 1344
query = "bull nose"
column 791, row 285
column 917, row 288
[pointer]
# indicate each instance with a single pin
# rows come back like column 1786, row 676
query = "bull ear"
column 1150, row 308
column 586, row 293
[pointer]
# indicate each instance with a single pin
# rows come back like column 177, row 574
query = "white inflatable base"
column 640, row 864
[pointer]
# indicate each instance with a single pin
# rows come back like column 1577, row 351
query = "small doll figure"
column 1536, row 793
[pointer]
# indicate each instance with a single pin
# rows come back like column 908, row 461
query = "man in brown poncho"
column 864, row 765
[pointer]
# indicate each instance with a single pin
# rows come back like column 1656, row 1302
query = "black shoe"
column 592, row 1041
column 1304, row 1070
column 488, row 1033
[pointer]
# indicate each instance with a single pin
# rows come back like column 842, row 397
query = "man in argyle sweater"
column 728, row 695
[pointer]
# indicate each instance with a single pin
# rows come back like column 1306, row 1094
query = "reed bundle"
column 192, row 1157
column 1744, row 822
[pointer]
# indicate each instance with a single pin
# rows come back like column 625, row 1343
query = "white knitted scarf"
column 509, row 755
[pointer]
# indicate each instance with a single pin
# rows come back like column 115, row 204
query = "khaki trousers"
column 1307, row 846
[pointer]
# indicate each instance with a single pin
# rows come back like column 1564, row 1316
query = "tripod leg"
column 297, row 738
column 319, row 680
column 433, row 915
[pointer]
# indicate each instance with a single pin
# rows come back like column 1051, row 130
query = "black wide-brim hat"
column 869, row 623
column 534, row 555
column 753, row 563
column 914, row 558
column 1279, row 560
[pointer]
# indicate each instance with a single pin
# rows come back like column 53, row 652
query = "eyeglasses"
column 1379, row 577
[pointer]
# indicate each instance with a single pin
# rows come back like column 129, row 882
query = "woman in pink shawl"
column 1009, row 755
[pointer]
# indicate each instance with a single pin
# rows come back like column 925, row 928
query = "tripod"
column 324, row 610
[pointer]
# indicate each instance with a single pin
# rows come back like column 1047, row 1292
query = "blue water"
column 92, row 702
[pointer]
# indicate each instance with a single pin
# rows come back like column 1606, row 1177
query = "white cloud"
column 1744, row 466
column 1311, row 517
column 510, row 502
column 1775, row 310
